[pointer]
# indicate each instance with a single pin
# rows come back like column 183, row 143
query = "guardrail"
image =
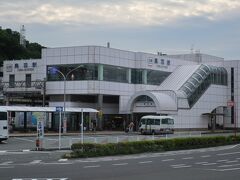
column 66, row 141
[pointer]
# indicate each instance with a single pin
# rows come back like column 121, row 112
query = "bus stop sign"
column 59, row 109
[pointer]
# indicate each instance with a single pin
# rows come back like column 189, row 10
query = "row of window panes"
column 28, row 80
column 110, row 73
column 157, row 121
column 162, row 61
column 215, row 77
column 25, row 65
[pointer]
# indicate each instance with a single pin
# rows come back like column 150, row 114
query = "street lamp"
column 65, row 76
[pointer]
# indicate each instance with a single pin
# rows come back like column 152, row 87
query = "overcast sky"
column 168, row 26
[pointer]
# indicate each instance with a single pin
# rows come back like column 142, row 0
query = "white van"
column 156, row 124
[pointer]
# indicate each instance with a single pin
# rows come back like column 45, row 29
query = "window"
column 157, row 121
column 170, row 121
column 162, row 61
column 114, row 73
column 165, row 121
column 156, row 77
column 168, row 62
column 136, row 76
column 25, row 65
column 11, row 80
column 83, row 72
column 16, row 66
column 143, row 121
column 34, row 64
column 3, row 116
column 28, row 80
column 156, row 60
column 150, row 61
column 150, row 121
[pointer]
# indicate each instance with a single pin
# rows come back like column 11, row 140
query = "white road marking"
column 96, row 166
column 26, row 150
column 208, row 164
column 222, row 160
column 164, row 160
column 231, row 161
column 229, row 165
column 145, row 162
column 201, row 162
column 63, row 160
column 232, row 169
column 120, row 164
column 205, row 156
column 152, row 155
column 3, row 151
column 6, row 163
column 188, row 158
column 57, row 163
column 174, row 165
column 177, row 167
column 225, row 154
column 35, row 162
column 40, row 179
column 24, row 139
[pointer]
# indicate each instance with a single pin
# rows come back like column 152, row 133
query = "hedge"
column 123, row 148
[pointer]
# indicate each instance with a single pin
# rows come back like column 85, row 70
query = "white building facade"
column 125, row 85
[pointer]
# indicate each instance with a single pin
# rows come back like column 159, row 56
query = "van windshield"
column 170, row 121
column 3, row 116
column 143, row 121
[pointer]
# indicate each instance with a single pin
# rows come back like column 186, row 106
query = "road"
column 26, row 142
column 202, row 164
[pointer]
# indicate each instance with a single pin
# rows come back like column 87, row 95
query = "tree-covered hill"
column 10, row 47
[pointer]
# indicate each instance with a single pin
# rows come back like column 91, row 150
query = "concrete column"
column 100, row 117
column 100, row 72
column 129, row 72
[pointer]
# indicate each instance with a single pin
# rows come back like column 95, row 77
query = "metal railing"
column 66, row 141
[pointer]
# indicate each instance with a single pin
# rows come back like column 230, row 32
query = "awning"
column 44, row 109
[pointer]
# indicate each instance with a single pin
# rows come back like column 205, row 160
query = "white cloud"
column 126, row 12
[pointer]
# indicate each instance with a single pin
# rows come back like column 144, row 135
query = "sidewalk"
column 77, row 133
column 33, row 134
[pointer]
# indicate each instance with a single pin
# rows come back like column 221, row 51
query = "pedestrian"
column 130, row 126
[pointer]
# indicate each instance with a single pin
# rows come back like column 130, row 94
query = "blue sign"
column 53, row 70
column 59, row 109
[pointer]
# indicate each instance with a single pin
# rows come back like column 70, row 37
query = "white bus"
column 156, row 124
column 3, row 125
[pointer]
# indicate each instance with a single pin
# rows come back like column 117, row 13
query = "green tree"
column 10, row 47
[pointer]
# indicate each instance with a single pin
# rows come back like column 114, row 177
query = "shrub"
column 93, row 150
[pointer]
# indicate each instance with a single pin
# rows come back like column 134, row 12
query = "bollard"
column 37, row 144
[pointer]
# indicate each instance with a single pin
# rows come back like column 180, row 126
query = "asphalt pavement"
column 201, row 164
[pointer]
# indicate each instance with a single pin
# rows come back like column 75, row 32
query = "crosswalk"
column 226, row 164
column 40, row 179
column 33, row 162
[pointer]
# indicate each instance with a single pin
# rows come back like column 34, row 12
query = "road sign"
column 40, row 129
column 230, row 103
column 59, row 109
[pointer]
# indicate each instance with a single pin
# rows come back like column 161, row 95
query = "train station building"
column 200, row 91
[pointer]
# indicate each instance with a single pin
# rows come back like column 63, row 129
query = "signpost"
column 60, row 110
column 40, row 131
